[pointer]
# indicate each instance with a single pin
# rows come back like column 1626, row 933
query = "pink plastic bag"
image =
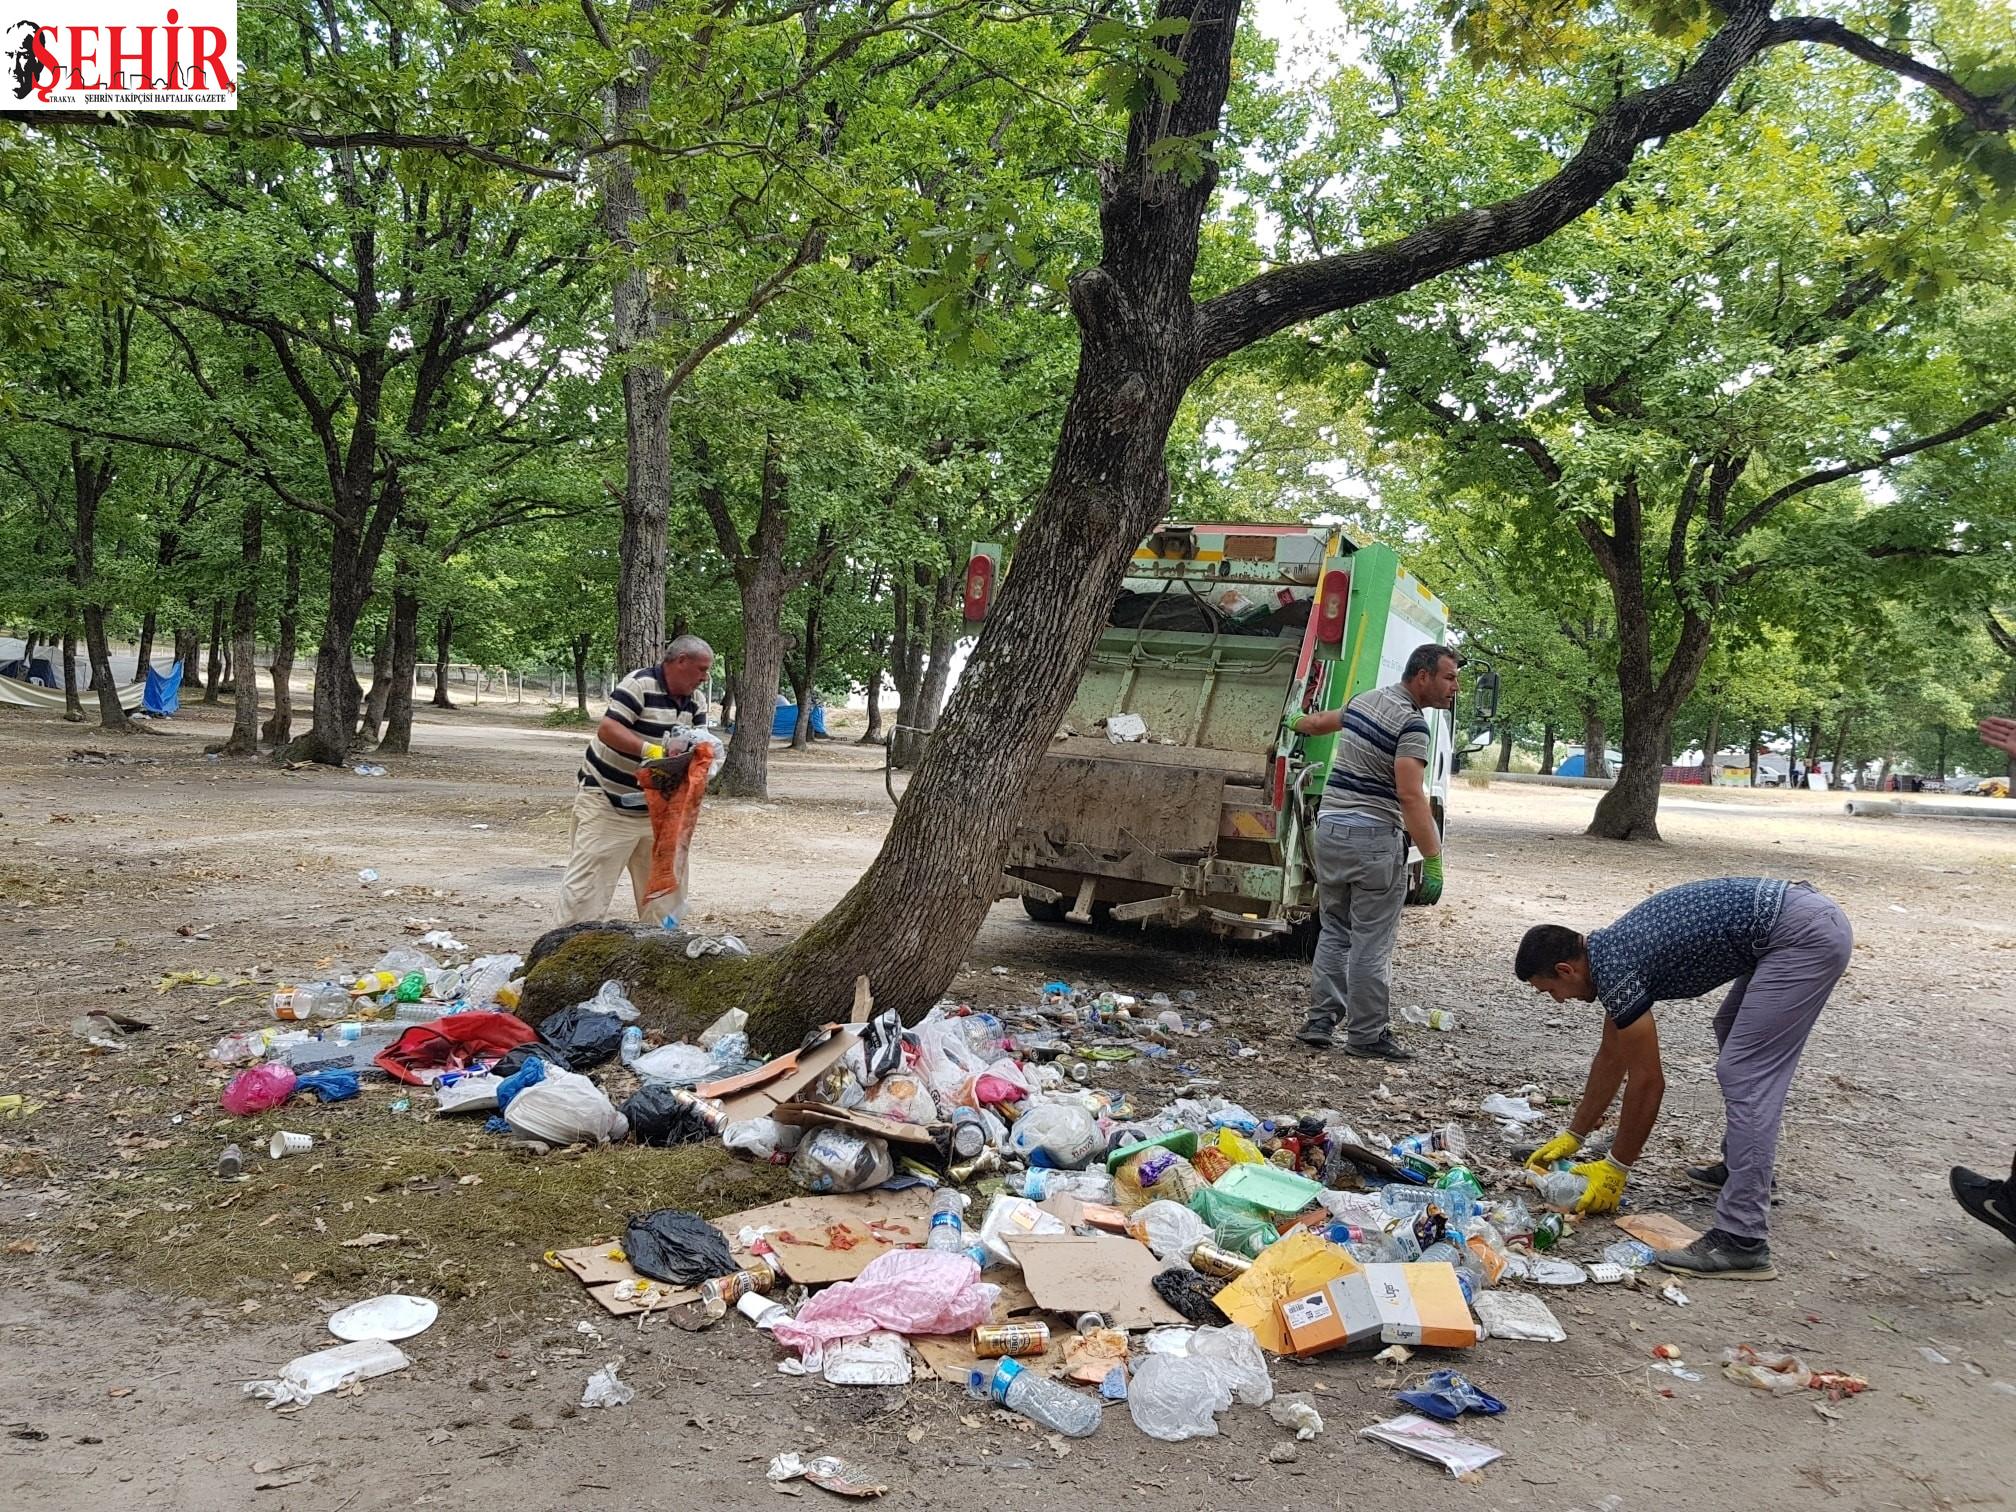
column 905, row 1291
column 259, row 1090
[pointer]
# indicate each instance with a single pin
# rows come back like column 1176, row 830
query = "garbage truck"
column 1174, row 791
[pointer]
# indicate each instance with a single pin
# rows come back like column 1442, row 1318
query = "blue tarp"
column 785, row 723
column 164, row 691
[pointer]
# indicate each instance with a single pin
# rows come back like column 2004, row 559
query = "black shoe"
column 1316, row 1041
column 1718, row 1256
column 1986, row 1198
column 1383, row 1048
column 1716, row 1175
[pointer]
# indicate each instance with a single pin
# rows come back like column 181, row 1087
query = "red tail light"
column 1332, row 598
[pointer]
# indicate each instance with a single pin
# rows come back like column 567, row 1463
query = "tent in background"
column 164, row 691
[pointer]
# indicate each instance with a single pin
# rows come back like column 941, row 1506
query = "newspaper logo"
column 119, row 55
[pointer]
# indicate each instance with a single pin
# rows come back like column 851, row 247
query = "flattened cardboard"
column 1293, row 1266
column 824, row 1115
column 832, row 1238
column 754, row 1094
column 950, row 1356
column 1658, row 1230
column 598, row 1269
column 1107, row 1273
column 1341, row 1315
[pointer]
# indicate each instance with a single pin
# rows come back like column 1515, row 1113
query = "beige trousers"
column 603, row 842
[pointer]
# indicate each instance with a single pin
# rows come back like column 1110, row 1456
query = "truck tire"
column 1045, row 913
column 1414, row 898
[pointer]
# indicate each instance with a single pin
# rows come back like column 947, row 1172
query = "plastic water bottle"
column 1561, row 1190
column 1430, row 1018
column 1404, row 1201
column 1449, row 1137
column 948, row 1227
column 316, row 1000
column 1043, row 1401
column 1092, row 1185
column 632, row 1045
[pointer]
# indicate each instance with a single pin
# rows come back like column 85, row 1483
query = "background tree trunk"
column 745, row 771
column 1595, row 743
column 280, row 726
column 405, row 634
column 579, row 651
column 1756, row 739
column 381, row 684
column 1630, row 809
column 188, row 649
column 444, row 631
column 1547, row 752
column 213, row 677
column 73, row 705
column 1505, row 750
column 143, row 649
column 244, row 739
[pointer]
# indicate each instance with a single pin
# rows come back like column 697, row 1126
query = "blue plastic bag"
column 1447, row 1395
column 334, row 1085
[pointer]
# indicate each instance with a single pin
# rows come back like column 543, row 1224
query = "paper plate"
column 387, row 1317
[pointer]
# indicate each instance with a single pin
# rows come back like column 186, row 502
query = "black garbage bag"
column 513, row 1061
column 677, row 1247
column 1190, row 1294
column 659, row 1116
column 581, row 1037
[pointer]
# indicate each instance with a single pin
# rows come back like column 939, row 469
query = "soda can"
column 710, row 1113
column 1222, row 1263
column 723, row 1292
column 993, row 1341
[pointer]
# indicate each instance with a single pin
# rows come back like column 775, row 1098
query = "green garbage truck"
column 1174, row 791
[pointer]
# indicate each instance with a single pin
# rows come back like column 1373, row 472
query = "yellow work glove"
column 1606, row 1178
column 1560, row 1147
column 651, row 752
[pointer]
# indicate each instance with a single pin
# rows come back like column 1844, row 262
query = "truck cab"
column 1174, row 790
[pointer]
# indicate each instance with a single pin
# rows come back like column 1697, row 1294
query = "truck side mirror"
column 1484, row 700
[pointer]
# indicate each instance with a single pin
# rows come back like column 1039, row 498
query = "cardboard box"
column 1293, row 1266
column 1417, row 1305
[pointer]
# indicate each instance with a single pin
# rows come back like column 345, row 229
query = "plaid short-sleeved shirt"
column 1683, row 942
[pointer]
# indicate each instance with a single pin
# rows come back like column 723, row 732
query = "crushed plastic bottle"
column 1045, row 1402
column 1430, row 1018
column 1449, row 1138
column 315, row 1000
column 1561, row 1190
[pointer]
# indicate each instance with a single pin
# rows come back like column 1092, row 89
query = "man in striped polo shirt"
column 1375, row 800
column 611, row 830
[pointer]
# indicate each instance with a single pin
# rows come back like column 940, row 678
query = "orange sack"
column 672, row 789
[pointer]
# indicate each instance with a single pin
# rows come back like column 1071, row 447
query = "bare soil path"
column 141, row 1290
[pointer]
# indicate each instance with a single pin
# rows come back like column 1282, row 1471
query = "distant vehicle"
column 1175, row 792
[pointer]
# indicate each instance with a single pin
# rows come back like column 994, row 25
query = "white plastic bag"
column 762, row 1138
column 1168, row 1228
column 565, row 1108
column 1012, row 1218
column 839, row 1160
column 611, row 998
column 905, row 1098
column 1174, row 1397
column 1060, row 1135
column 604, row 1390
column 681, row 1065
column 734, row 1021
column 475, row 1092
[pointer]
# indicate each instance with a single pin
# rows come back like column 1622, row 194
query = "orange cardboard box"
column 1396, row 1304
column 1293, row 1266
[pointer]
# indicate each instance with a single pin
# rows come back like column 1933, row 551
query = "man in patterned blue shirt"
column 1784, row 946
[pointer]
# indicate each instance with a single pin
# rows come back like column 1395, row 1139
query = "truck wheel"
column 1045, row 913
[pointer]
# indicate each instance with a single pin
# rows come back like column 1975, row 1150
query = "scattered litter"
column 875, row 1359
column 604, row 1390
column 311, row 1375
column 389, row 1317
column 1297, row 1410
column 286, row 1142
column 1427, row 1439
column 1672, row 1293
column 827, row 1471
column 676, row 1246
column 1124, row 728
column 1932, row 1356
column 1447, row 1395
column 368, row 874
column 370, row 1241
column 1515, row 1315
column 368, row 769
column 1781, row 1374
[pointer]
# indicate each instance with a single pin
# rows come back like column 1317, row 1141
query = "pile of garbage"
column 977, row 1203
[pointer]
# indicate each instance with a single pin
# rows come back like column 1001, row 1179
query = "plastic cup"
column 284, row 1143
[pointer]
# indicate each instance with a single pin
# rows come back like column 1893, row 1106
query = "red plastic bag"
column 423, row 1052
column 259, row 1090
column 672, row 790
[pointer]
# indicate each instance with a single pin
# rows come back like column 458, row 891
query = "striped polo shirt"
column 641, row 703
column 1379, row 727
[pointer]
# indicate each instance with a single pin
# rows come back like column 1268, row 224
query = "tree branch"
column 1982, row 113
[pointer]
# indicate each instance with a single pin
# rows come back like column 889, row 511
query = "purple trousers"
column 1762, row 1028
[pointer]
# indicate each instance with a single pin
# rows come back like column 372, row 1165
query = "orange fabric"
column 672, row 791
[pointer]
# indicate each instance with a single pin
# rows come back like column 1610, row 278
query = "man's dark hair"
column 1545, row 948
column 1424, row 659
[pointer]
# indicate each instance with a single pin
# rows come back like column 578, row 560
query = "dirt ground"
column 141, row 1289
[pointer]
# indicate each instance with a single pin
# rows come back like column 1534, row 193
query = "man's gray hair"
column 688, row 645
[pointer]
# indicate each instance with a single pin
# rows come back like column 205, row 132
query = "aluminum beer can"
column 1222, row 1263
column 992, row 1341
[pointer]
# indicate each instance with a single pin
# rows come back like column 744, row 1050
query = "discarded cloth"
column 334, row 1085
column 423, row 1052
column 905, row 1291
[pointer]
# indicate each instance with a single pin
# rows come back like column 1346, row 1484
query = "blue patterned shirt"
column 1683, row 942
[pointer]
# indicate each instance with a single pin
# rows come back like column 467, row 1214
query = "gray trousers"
column 1762, row 1029
column 1361, row 882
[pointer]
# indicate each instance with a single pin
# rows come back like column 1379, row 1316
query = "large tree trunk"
column 73, row 704
column 1547, row 752
column 337, row 697
column 1505, row 750
column 1630, row 809
column 1756, row 739
column 398, row 737
column 244, row 739
column 279, row 727
column 143, row 649
column 444, row 632
column 213, row 677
